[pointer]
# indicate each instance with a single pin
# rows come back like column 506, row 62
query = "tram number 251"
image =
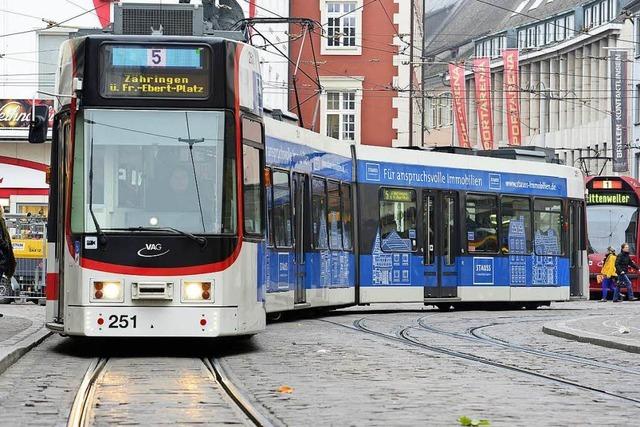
column 122, row 321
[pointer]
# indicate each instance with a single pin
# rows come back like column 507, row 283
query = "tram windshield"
column 159, row 169
column 611, row 225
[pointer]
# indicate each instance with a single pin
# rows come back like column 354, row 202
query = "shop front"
column 23, row 166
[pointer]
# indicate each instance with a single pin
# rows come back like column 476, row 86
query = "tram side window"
column 547, row 220
column 319, row 213
column 335, row 225
column 346, row 217
column 482, row 222
column 281, row 212
column 269, row 196
column 516, row 225
column 252, row 190
column 398, row 220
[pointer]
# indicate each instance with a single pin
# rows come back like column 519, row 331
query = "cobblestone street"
column 495, row 365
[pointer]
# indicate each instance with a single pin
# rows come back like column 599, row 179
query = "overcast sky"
column 18, row 56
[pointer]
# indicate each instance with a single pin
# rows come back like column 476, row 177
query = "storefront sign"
column 459, row 95
column 618, row 62
column 135, row 71
column 16, row 113
column 512, row 95
column 482, row 77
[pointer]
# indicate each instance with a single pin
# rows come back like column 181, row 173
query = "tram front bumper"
column 158, row 321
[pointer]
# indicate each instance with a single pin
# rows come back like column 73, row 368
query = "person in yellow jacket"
column 608, row 273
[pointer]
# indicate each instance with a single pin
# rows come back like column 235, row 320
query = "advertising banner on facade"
column 512, row 95
column 618, row 61
column 459, row 97
column 16, row 113
column 482, row 77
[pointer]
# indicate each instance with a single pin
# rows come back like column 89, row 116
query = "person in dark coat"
column 623, row 262
column 7, row 258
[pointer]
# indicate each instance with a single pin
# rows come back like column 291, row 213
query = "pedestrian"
column 608, row 272
column 7, row 258
column 623, row 262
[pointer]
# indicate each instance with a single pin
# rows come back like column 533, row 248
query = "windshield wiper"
column 191, row 142
column 102, row 238
column 199, row 240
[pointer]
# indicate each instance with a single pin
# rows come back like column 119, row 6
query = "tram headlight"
column 197, row 291
column 107, row 291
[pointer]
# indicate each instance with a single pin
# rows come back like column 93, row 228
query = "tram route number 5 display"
column 123, row 321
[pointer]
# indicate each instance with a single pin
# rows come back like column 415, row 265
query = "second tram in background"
column 612, row 219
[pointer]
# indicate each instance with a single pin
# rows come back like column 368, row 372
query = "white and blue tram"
column 361, row 224
column 178, row 209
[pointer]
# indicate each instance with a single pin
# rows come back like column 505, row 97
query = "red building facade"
column 363, row 52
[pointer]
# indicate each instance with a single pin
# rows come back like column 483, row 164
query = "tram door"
column 440, row 243
column 576, row 247
column 300, row 196
column 62, row 172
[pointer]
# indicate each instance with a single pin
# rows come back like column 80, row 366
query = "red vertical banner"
column 512, row 95
column 459, row 97
column 482, row 77
column 102, row 9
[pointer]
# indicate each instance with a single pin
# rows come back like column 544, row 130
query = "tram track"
column 475, row 334
column 403, row 337
column 235, row 394
column 84, row 403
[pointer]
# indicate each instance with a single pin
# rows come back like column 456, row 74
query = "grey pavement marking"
column 22, row 328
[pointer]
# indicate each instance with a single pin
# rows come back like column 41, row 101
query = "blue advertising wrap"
column 460, row 179
column 302, row 158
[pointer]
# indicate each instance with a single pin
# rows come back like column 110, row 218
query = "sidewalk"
column 21, row 328
column 615, row 330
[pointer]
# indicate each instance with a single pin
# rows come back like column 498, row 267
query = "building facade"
column 358, row 72
column 565, row 79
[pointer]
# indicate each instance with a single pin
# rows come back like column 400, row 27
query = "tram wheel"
column 531, row 306
column 444, row 307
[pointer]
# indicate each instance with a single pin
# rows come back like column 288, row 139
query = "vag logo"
column 152, row 250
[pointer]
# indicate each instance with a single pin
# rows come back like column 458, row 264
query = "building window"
column 522, row 37
column 343, row 22
column 341, row 115
column 599, row 13
column 637, row 112
column 636, row 24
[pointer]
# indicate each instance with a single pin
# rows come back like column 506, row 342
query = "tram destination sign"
column 611, row 198
column 158, row 71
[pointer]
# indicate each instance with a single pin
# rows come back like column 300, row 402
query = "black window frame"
column 465, row 235
column 341, row 230
column 530, row 243
column 315, row 243
column 415, row 246
column 349, row 188
column 563, row 222
column 268, row 202
column 260, row 146
column 291, row 235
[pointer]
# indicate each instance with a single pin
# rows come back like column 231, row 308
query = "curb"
column 14, row 353
column 563, row 331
